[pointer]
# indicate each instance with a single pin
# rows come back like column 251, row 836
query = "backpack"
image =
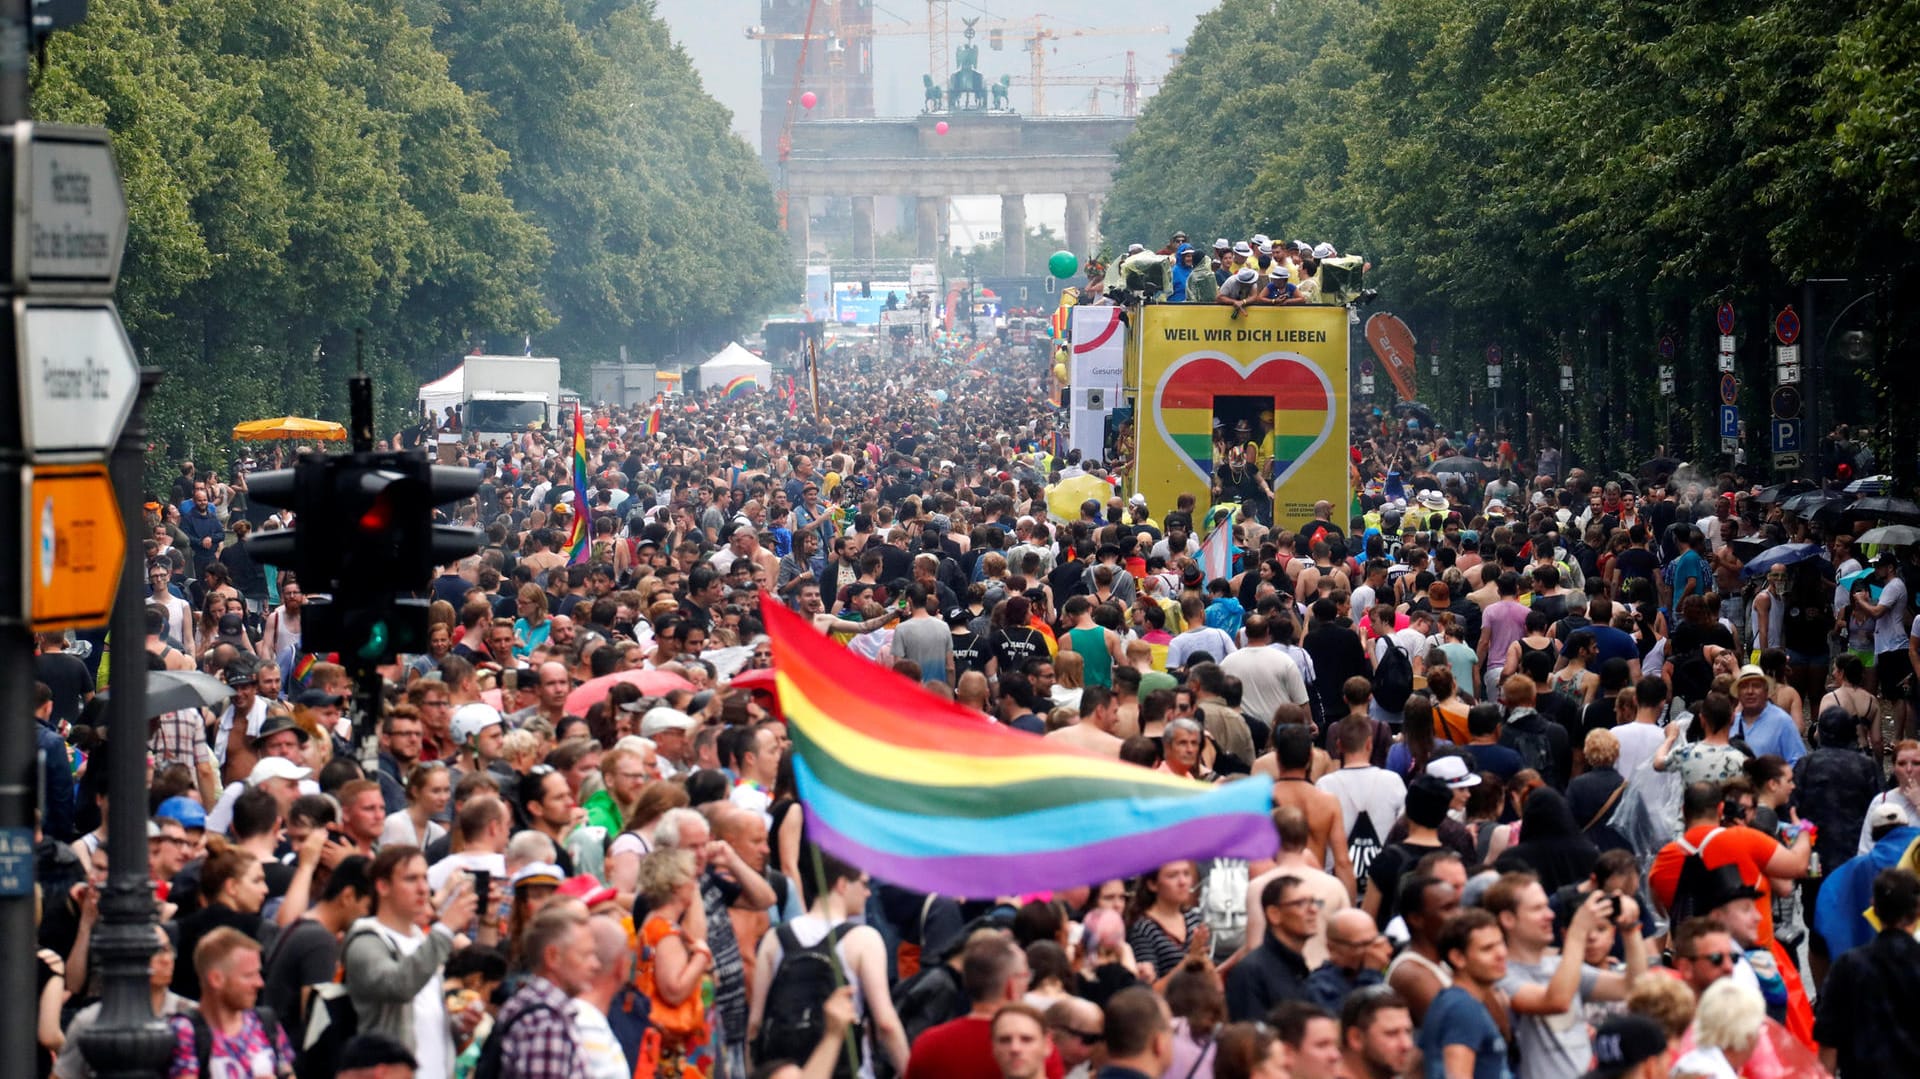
column 794, row 1021
column 203, row 1037
column 1534, row 747
column 1392, row 678
column 332, row 1020
column 490, row 1065
column 1694, row 879
column 1223, row 903
column 929, row 999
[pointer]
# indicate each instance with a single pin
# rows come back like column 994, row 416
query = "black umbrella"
column 1415, row 408
column 172, row 691
column 1657, row 465
column 1807, row 503
column 1780, row 492
column 1457, row 464
column 1885, row 508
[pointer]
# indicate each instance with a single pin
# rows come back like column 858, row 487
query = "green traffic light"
column 376, row 646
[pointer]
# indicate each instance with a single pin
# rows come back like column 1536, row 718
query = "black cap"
column 317, row 698
column 958, row 616
column 1722, row 886
column 273, row 725
column 1624, row 1042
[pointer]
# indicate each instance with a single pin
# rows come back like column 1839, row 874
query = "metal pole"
column 1812, row 436
column 19, row 786
column 127, row 1041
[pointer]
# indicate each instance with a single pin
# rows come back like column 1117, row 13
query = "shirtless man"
column 1099, row 718
column 1306, row 587
column 815, row 611
column 1326, row 833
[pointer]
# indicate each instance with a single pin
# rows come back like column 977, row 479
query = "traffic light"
column 364, row 539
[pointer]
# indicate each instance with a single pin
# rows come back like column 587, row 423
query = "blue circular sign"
column 1666, row 346
column 1724, row 318
column 1729, row 389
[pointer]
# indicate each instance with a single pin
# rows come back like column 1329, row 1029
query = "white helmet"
column 470, row 719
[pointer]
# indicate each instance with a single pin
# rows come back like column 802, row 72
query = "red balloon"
column 808, row 100
column 940, row 128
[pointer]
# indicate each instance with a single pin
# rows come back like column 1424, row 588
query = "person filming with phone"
column 394, row 959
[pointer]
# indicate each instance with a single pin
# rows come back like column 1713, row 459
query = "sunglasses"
column 1714, row 958
column 1085, row 1038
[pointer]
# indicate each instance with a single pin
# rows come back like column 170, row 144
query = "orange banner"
column 1393, row 343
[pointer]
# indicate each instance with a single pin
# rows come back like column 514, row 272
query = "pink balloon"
column 940, row 128
column 808, row 100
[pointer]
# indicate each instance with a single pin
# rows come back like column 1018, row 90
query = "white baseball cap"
column 269, row 768
column 1324, row 251
column 1453, row 771
column 470, row 719
column 664, row 718
column 1886, row 813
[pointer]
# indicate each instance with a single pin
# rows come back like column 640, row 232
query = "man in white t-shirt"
column 1370, row 798
column 1891, row 664
column 484, row 825
column 1411, row 642
column 1268, row 677
column 1642, row 738
column 600, row 1051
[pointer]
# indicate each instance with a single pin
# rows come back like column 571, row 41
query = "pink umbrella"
column 650, row 683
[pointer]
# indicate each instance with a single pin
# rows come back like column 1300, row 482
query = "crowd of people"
column 1560, row 787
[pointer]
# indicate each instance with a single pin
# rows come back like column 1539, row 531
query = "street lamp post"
column 128, row 1041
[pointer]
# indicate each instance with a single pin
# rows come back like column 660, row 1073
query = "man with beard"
column 1376, row 1034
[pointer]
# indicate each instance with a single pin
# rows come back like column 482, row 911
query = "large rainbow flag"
column 739, row 387
column 924, row 794
column 580, row 534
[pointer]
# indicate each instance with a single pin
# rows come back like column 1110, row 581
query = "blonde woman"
column 1727, row 1026
column 530, row 630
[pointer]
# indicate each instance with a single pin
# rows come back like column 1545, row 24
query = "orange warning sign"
column 76, row 543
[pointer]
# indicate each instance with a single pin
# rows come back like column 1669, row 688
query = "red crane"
column 785, row 149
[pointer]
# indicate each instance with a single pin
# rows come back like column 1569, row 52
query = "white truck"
column 499, row 397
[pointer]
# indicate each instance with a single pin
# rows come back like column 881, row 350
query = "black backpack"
column 203, row 1037
column 490, row 1065
column 1393, row 678
column 795, row 1020
column 1534, row 747
column 1689, row 891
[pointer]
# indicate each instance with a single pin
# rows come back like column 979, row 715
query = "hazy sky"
column 714, row 33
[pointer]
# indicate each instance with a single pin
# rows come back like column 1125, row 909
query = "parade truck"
column 498, row 397
column 1185, row 391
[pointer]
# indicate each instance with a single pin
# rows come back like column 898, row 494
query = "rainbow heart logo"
column 1302, row 407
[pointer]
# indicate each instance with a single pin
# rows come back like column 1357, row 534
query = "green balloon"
column 1063, row 264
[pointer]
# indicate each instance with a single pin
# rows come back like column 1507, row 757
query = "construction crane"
column 1127, row 86
column 1040, row 33
column 785, row 149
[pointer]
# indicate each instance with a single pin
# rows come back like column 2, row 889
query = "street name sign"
column 69, row 220
column 78, row 377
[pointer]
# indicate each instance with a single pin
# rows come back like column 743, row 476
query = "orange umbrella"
column 290, row 428
column 650, row 683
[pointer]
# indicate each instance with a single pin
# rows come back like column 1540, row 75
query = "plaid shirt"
column 544, row 1045
column 177, row 738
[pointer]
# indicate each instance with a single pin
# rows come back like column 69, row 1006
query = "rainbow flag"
column 653, row 419
column 739, row 387
column 579, row 535
column 924, row 794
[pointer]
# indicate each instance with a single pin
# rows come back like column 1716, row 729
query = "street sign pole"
column 18, row 746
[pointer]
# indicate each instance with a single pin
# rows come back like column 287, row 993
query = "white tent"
column 731, row 363
column 436, row 396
